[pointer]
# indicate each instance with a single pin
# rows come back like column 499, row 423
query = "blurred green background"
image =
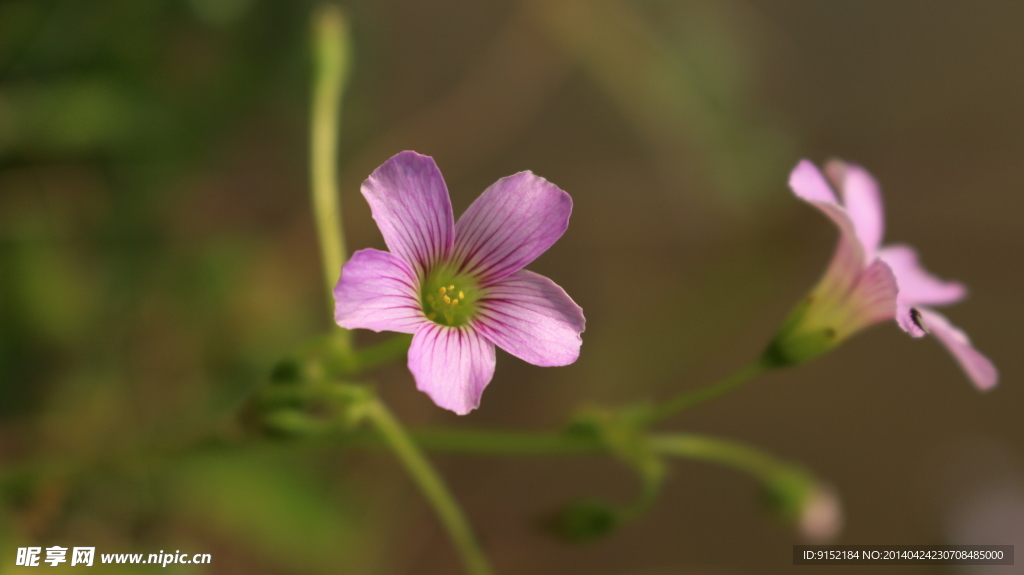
column 157, row 257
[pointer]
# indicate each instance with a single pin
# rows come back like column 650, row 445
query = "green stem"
column 690, row 446
column 497, row 443
column 689, row 399
column 649, row 491
column 331, row 66
column 790, row 488
column 433, row 488
column 789, row 484
column 739, row 456
column 483, row 442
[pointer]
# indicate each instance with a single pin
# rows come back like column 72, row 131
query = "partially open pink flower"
column 867, row 283
column 460, row 287
column 857, row 290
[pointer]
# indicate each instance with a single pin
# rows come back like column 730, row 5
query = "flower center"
column 449, row 299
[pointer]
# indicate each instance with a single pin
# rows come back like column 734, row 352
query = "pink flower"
column 459, row 288
column 867, row 283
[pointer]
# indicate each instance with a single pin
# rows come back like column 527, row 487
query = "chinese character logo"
column 28, row 556
column 55, row 555
column 83, row 556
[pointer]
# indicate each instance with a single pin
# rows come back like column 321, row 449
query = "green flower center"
column 449, row 299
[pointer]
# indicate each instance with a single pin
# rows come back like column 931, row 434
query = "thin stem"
column 791, row 489
column 689, row 399
column 739, row 456
column 331, row 66
column 484, row 442
column 790, row 483
column 433, row 488
column 649, row 491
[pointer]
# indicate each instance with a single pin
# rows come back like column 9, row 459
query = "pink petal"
column 847, row 262
column 410, row 203
column 873, row 297
column 917, row 286
column 808, row 183
column 452, row 365
column 513, row 222
column 846, row 266
column 977, row 367
column 377, row 291
column 863, row 202
column 529, row 316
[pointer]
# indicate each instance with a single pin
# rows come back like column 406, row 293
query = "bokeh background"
column 157, row 257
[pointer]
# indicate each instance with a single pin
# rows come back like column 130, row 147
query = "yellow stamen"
column 462, row 295
column 451, row 287
column 447, row 299
column 442, row 290
column 455, row 302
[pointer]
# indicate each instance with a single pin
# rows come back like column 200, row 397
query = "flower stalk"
column 331, row 59
column 796, row 495
column 792, row 490
column 689, row 399
column 432, row 486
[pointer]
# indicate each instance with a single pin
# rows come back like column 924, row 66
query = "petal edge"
column 410, row 203
column 917, row 285
column 377, row 291
column 452, row 365
column 980, row 369
column 512, row 223
column 863, row 202
column 532, row 318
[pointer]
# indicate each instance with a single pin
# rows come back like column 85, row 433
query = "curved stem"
column 792, row 490
column 739, row 456
column 689, row 399
column 331, row 67
column 433, row 488
column 486, row 442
